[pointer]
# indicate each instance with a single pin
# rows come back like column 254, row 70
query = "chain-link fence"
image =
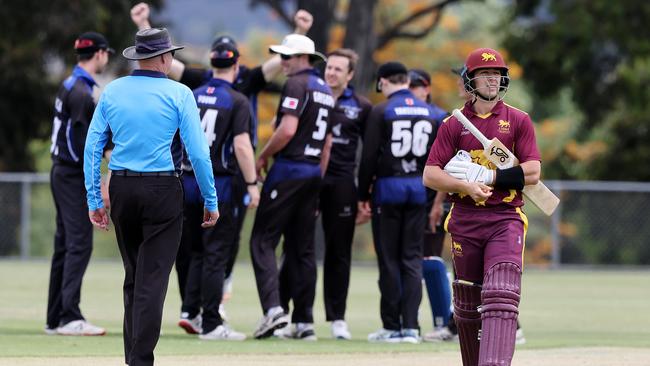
column 597, row 223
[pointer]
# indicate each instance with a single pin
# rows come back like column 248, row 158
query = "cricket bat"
column 503, row 158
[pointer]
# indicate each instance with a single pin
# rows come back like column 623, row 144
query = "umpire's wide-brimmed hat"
column 150, row 43
column 297, row 44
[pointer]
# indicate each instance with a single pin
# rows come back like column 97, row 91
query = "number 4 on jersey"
column 208, row 122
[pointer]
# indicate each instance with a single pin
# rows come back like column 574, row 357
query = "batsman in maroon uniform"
column 486, row 223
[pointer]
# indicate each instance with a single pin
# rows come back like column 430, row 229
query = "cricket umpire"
column 148, row 116
column 73, row 240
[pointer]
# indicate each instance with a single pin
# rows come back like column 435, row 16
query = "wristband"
column 511, row 178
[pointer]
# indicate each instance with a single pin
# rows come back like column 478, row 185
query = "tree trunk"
column 360, row 36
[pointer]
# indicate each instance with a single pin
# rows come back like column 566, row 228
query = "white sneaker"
column 340, row 330
column 411, row 336
column 191, row 325
column 50, row 331
column 519, row 337
column 80, row 328
column 269, row 323
column 386, row 336
column 439, row 334
column 222, row 312
column 223, row 333
column 305, row 332
column 286, row 332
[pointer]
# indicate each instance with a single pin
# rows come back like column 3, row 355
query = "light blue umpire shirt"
column 147, row 115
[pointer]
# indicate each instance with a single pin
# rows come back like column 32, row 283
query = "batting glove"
column 461, row 167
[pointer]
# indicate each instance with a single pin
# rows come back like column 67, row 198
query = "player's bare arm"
column 303, row 20
column 325, row 155
column 437, row 209
column 437, row 179
column 246, row 161
column 280, row 138
column 532, row 171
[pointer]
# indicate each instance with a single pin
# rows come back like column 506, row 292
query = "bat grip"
column 471, row 128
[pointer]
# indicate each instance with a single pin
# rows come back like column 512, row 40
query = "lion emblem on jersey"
column 504, row 126
column 486, row 56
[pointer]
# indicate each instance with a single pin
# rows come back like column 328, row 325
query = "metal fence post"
column 25, row 218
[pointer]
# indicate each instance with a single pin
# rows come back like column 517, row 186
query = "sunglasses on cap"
column 416, row 78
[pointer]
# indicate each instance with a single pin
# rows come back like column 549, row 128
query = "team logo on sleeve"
column 291, row 103
column 210, row 90
column 409, row 101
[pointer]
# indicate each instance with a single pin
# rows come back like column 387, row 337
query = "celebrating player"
column 73, row 240
column 225, row 118
column 300, row 146
column 434, row 270
column 486, row 223
column 398, row 134
column 338, row 197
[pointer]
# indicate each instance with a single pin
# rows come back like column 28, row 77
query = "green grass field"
column 560, row 309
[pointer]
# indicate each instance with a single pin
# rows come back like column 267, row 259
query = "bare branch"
column 397, row 30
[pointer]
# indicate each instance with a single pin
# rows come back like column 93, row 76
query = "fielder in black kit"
column 398, row 136
column 288, row 204
column 338, row 197
column 225, row 119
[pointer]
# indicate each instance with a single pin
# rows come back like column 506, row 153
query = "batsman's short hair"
column 352, row 57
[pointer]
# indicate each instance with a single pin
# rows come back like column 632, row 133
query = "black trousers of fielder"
column 148, row 216
column 73, row 245
column 287, row 209
column 210, row 255
column 397, row 232
column 338, row 206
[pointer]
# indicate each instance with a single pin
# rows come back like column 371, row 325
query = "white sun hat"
column 297, row 44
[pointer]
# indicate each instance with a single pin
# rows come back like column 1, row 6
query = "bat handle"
column 471, row 128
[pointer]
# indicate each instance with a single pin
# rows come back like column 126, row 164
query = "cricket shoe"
column 519, row 337
column 269, row 323
column 305, row 332
column 50, row 331
column 80, row 328
column 286, row 332
column 340, row 330
column 411, row 336
column 191, row 325
column 223, row 333
column 385, row 336
column 440, row 334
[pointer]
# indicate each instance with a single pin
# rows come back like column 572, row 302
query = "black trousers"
column 338, row 206
column 210, row 255
column 288, row 209
column 434, row 242
column 397, row 232
column 73, row 244
column 240, row 207
column 148, row 216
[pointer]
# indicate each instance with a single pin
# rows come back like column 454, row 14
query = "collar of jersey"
column 347, row 92
column 309, row 70
column 149, row 73
column 498, row 108
column 402, row 92
column 219, row 82
column 79, row 72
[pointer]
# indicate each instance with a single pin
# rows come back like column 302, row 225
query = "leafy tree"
column 599, row 51
column 35, row 37
column 370, row 25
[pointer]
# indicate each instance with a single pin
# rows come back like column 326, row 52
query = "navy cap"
column 223, row 39
column 223, row 55
column 389, row 69
column 91, row 42
column 419, row 77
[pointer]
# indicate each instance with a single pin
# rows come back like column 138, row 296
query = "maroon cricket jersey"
column 509, row 125
column 306, row 96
